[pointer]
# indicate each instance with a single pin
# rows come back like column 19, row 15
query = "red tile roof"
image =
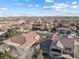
column 22, row 38
column 18, row 39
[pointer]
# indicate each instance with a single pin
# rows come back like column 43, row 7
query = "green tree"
column 11, row 32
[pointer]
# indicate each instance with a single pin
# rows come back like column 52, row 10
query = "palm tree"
column 39, row 55
column 5, row 54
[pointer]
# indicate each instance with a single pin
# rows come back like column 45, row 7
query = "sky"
column 39, row 7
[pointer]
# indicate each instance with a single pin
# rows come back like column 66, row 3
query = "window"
column 68, row 49
column 56, row 50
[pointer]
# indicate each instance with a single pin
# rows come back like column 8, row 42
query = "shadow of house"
column 45, row 45
column 49, row 49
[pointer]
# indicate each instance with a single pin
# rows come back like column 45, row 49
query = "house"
column 55, row 52
column 49, row 48
column 64, row 42
column 24, row 44
column 68, row 44
column 76, row 49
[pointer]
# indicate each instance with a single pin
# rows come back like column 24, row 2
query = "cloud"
column 45, row 7
column 58, row 7
column 6, row 12
column 26, row 0
column 3, row 9
column 19, row 4
column 49, row 0
column 37, row 5
column 75, row 6
column 23, row 14
column 15, row 0
column 75, row 13
column 64, row 8
column 30, row 5
column 74, row 2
